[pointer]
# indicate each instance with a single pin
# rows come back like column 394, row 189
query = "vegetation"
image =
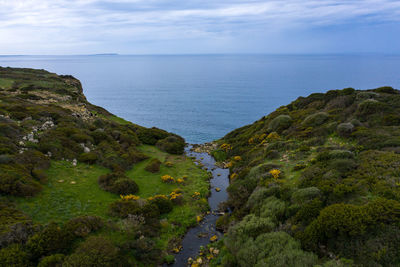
column 318, row 183
column 82, row 187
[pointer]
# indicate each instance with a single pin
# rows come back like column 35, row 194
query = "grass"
column 6, row 83
column 61, row 201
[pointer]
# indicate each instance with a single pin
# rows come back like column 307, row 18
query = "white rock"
column 74, row 162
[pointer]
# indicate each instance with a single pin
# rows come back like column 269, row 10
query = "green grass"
column 60, row 201
column 6, row 83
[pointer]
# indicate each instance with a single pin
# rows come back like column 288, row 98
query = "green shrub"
column 89, row 157
column 172, row 144
column 55, row 260
column 83, row 225
column 124, row 186
column 52, row 239
column 274, row 249
column 95, row 251
column 123, row 208
column 315, row 119
column 280, row 123
column 153, row 166
column 164, row 204
column 387, row 90
column 369, row 106
column 15, row 256
column 345, row 129
column 305, row 194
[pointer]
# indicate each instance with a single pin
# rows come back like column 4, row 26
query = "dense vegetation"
column 316, row 182
column 82, row 187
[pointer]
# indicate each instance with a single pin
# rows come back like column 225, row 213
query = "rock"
column 217, row 189
column 214, row 238
column 74, row 162
column 60, row 181
column 199, row 260
column 73, row 182
column 86, row 149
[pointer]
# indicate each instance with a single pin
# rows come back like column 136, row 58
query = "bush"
column 124, row 186
column 15, row 256
column 153, row 166
column 345, row 129
column 305, row 194
column 83, row 225
column 95, row 251
column 172, row 144
column 163, row 203
column 123, row 208
column 274, row 249
column 369, row 106
column 51, row 239
column 89, row 158
column 316, row 119
column 387, row 90
column 280, row 123
column 55, row 260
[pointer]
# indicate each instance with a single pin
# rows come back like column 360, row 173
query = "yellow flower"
column 237, row 158
column 180, row 180
column 213, row 238
column 199, row 218
column 226, row 147
column 129, row 197
column 273, row 135
column 234, row 175
column 167, row 179
column 275, row 173
column 196, row 195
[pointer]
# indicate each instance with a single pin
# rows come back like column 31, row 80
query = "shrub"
column 95, row 251
column 83, row 225
column 172, row 144
column 280, row 123
column 369, row 106
column 123, row 208
column 274, row 249
column 345, row 129
column 387, row 90
column 50, row 240
column 124, row 186
column 163, row 203
column 14, row 255
column 316, row 119
column 305, row 194
column 153, row 166
column 89, row 158
column 55, row 260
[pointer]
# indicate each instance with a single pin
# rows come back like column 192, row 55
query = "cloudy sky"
column 199, row 26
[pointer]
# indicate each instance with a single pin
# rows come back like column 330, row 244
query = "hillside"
column 82, row 187
column 316, row 182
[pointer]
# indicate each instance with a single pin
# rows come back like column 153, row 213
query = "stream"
column 200, row 235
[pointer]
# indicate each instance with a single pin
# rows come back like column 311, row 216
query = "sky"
column 57, row 27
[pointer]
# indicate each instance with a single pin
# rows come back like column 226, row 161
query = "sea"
column 203, row 97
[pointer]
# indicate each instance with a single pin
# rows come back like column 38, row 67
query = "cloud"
column 95, row 24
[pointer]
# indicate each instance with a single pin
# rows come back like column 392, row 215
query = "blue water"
column 204, row 97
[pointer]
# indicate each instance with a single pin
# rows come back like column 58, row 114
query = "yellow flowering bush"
column 229, row 164
column 273, row 136
column 275, row 173
column 129, row 197
column 176, row 197
column 226, row 147
column 237, row 158
column 196, row 195
column 233, row 176
column 157, row 197
column 168, row 164
column 180, row 181
column 167, row 179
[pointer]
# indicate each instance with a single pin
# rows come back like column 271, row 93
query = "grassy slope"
column 61, row 201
